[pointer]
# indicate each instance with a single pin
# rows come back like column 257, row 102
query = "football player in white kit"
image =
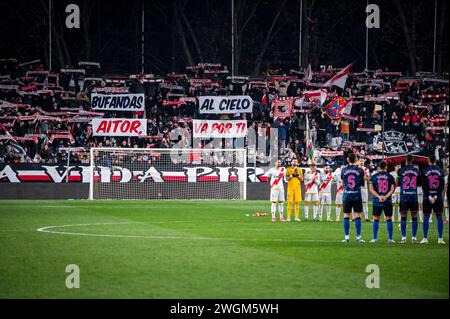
column 365, row 191
column 277, row 176
column 312, row 181
column 339, row 191
column 396, row 196
column 420, row 200
column 326, row 180
column 445, row 196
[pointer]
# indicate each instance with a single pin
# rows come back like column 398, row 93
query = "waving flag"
column 308, row 75
column 318, row 96
column 309, row 143
column 340, row 78
column 336, row 107
column 282, row 107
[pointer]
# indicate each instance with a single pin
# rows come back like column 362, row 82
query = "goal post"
column 174, row 173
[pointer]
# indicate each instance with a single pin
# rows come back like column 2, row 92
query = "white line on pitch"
column 46, row 230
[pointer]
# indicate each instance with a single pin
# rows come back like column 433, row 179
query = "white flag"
column 308, row 75
column 340, row 78
column 316, row 95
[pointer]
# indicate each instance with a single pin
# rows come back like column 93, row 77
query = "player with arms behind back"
column 445, row 196
column 339, row 191
column 382, row 186
column 364, row 191
column 353, row 179
column 396, row 195
column 277, row 175
column 408, row 180
column 432, row 185
column 420, row 199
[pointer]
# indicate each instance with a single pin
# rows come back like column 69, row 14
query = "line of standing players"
column 382, row 186
column 406, row 190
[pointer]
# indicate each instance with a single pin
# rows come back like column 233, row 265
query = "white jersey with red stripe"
column 337, row 179
column 446, row 190
column 366, row 177
column 277, row 177
column 326, row 180
column 312, row 182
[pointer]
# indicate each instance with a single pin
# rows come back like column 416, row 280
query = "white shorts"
column 420, row 195
column 325, row 198
column 311, row 197
column 339, row 198
column 420, row 198
column 364, row 195
column 395, row 198
column 277, row 195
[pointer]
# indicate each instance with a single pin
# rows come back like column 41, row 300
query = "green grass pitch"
column 203, row 249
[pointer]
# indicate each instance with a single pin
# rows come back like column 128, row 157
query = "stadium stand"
column 47, row 112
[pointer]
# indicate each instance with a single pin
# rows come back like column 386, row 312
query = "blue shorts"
column 378, row 210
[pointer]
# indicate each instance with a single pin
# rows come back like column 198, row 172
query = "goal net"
column 144, row 173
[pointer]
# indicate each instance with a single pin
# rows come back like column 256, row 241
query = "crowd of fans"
column 47, row 112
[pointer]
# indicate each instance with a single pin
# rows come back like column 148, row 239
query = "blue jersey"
column 382, row 183
column 353, row 178
column 433, row 180
column 408, row 180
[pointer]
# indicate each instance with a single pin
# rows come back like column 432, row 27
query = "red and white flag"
column 340, row 78
column 316, row 96
column 308, row 75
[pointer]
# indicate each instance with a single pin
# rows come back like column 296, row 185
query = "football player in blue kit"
column 352, row 179
column 408, row 179
column 433, row 180
column 382, row 186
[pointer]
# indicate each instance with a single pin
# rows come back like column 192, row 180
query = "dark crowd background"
column 186, row 32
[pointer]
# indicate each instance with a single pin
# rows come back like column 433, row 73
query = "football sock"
column 403, row 226
column 425, row 226
column 366, row 210
column 346, row 225
column 297, row 208
column 320, row 210
column 395, row 212
column 358, row 226
column 446, row 214
column 273, row 209
column 421, row 215
column 415, row 226
column 338, row 212
column 315, row 211
column 306, row 212
column 289, row 208
column 389, row 228
column 375, row 225
column 328, row 208
column 280, row 209
column 440, row 225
